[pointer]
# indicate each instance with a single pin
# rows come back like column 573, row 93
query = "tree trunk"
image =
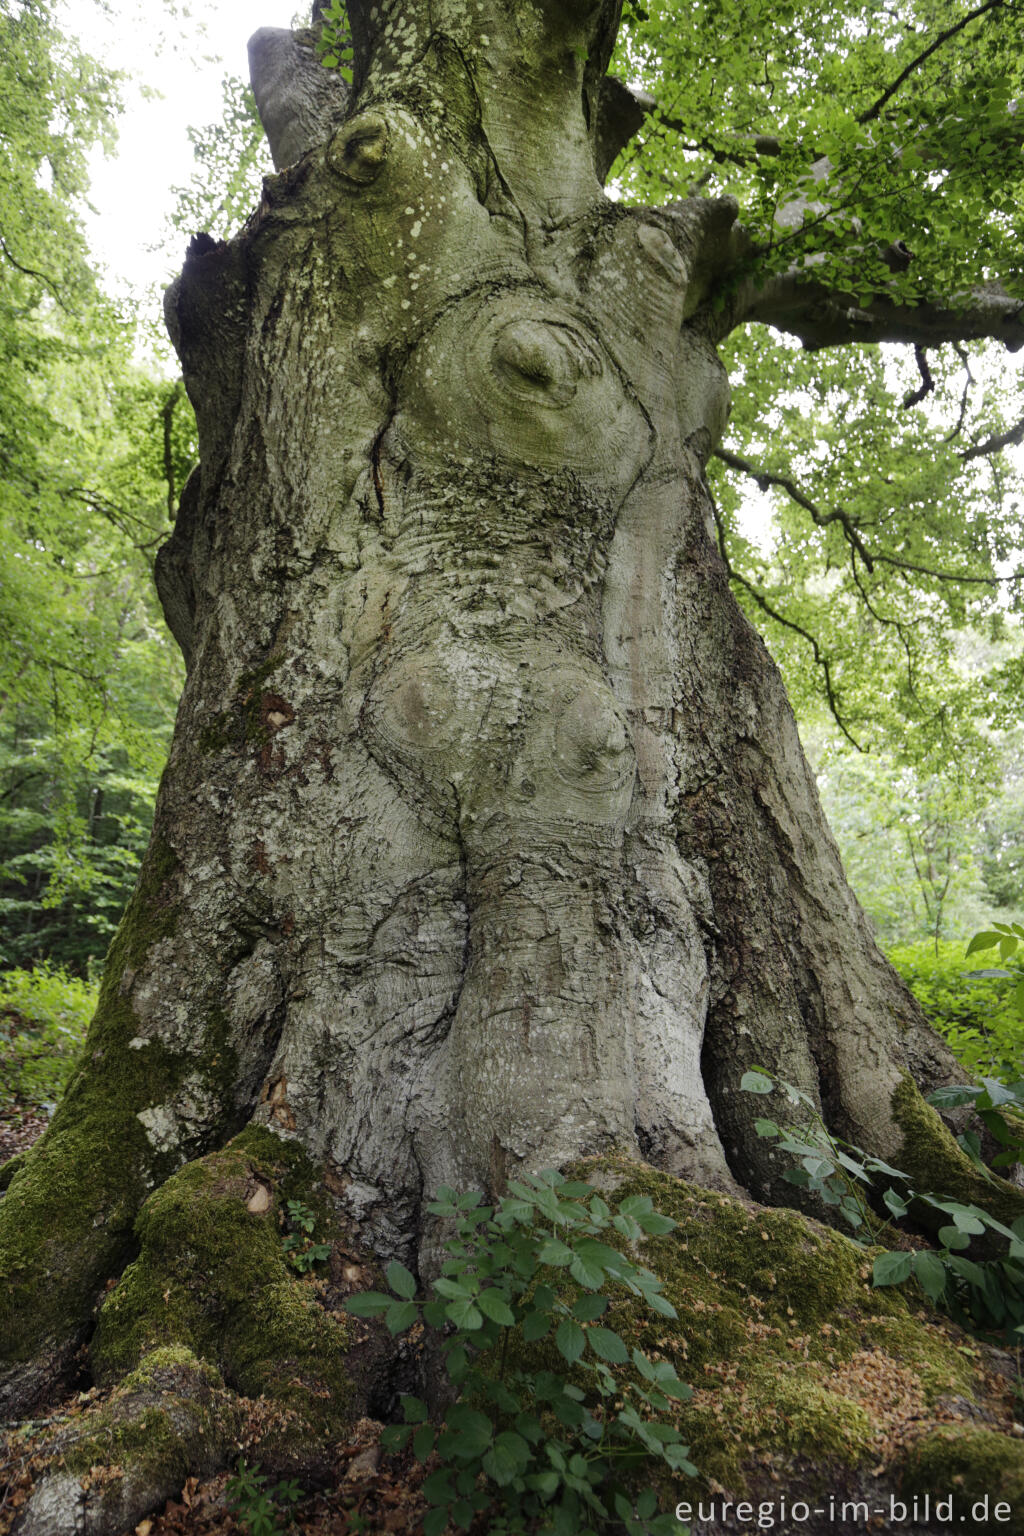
column 486, row 840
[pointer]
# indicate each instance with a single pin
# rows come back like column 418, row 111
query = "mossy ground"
column 804, row 1375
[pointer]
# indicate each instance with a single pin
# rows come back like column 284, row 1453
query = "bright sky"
column 174, row 75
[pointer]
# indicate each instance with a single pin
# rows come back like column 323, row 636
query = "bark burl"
column 486, row 840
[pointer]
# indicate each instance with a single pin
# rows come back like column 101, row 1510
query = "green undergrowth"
column 795, row 1360
column 786, row 1367
column 975, row 1013
column 44, row 1014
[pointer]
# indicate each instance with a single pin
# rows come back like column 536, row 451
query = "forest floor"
column 19, row 1128
column 368, row 1496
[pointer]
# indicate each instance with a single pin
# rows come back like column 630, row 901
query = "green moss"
column 231, row 729
column 795, row 1360
column 937, row 1166
column 212, row 1277
column 970, row 1462
column 166, row 1421
column 66, row 1223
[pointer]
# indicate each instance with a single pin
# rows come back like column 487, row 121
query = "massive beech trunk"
column 486, row 839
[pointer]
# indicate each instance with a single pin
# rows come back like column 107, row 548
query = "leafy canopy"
column 872, row 150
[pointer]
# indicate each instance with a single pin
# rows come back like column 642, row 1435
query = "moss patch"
column 802, row 1372
column 212, row 1277
column 972, row 1463
column 937, row 1166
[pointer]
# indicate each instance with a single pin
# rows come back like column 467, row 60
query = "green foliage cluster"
column 93, row 452
column 524, row 1288
column 334, row 46
column 300, row 1242
column 231, row 160
column 887, row 167
column 260, row 1508
column 975, row 1012
column 986, row 1295
column 44, row 1014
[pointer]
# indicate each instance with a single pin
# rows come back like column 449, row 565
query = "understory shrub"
column 556, row 1413
column 976, row 1014
column 44, row 1014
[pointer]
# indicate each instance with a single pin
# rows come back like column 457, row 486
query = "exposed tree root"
column 808, row 1382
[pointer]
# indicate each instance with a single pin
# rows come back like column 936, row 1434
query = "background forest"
column 873, row 536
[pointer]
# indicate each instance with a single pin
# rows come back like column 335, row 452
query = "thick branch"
column 824, row 318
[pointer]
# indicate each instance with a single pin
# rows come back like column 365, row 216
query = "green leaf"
column 368, row 1304
column 508, row 1458
column 555, row 1252
column 587, row 1274
column 586, row 1308
column 464, row 1314
column 535, row 1326
column 966, row 1269
column 569, row 1339
column 400, row 1280
column 756, row 1082
column 423, row 1442
column 401, row 1315
column 892, row 1268
column 473, row 1429
column 931, row 1272
column 607, row 1345
column 655, row 1224
column 660, row 1304
column 455, row 1290
column 894, row 1202
column 414, row 1410
column 493, row 1305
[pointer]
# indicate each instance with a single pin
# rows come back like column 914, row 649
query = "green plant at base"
column 256, row 1505
column 302, row 1250
column 552, row 1445
column 986, row 1296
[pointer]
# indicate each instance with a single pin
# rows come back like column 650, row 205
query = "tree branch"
column 47, row 282
column 996, row 443
column 824, row 318
column 926, row 53
column 871, row 558
column 915, row 396
column 765, row 478
column 773, row 613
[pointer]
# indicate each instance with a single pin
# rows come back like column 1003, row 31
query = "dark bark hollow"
column 486, row 839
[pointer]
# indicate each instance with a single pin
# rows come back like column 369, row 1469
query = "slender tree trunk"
column 486, row 839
